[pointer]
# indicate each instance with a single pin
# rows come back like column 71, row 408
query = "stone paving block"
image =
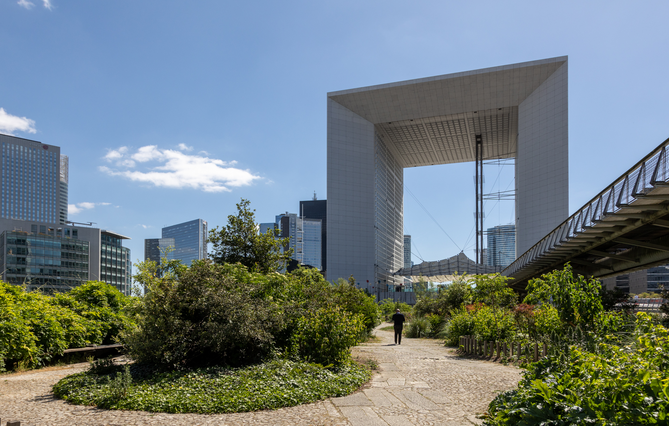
column 396, row 381
column 357, row 416
column 397, row 420
column 435, row 396
column 419, row 385
column 358, row 399
column 381, row 398
column 388, row 366
column 414, row 400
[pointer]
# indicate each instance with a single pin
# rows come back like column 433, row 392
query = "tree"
column 240, row 241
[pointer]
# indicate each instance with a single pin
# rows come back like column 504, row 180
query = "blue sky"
column 171, row 111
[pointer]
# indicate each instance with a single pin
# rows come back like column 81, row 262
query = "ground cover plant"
column 36, row 328
column 271, row 385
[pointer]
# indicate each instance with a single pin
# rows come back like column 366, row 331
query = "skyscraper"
column 318, row 209
column 407, row 252
column 190, row 240
column 33, row 181
column 304, row 238
column 501, row 250
column 157, row 248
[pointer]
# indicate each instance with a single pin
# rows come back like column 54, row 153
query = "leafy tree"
column 492, row 290
column 240, row 241
column 577, row 299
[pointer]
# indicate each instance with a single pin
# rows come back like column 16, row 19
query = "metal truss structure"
column 622, row 229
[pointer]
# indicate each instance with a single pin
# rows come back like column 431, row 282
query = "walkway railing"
column 530, row 351
column 651, row 171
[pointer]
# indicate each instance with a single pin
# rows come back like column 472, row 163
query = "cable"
column 431, row 217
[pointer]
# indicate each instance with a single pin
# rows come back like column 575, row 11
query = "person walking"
column 398, row 320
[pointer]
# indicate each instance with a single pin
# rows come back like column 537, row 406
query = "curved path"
column 418, row 383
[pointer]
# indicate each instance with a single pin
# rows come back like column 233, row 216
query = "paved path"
column 418, row 383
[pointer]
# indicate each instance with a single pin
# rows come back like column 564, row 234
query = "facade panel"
column 190, row 240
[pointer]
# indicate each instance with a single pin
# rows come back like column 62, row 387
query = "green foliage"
column 35, row 328
column 492, row 290
column 267, row 386
column 213, row 314
column 240, row 241
column 577, row 299
column 388, row 307
column 460, row 324
column 613, row 385
column 449, row 298
column 417, row 327
column 546, row 320
column 325, row 336
column 355, row 300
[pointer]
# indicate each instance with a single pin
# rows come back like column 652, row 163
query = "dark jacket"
column 398, row 319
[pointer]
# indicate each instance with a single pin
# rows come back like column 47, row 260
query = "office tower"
column 304, row 238
column 264, row 227
column 30, row 181
column 157, row 248
column 190, row 240
column 51, row 257
column 501, row 250
column 63, row 191
column 407, row 252
column 312, row 243
column 115, row 262
column 318, row 209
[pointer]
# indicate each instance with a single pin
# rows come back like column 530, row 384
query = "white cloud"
column 47, row 4
column 176, row 169
column 79, row 207
column 184, row 147
column 25, row 3
column 11, row 123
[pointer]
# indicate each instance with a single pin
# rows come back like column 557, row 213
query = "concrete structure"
column 53, row 257
column 190, row 240
column 501, row 249
column 375, row 132
column 33, row 181
column 651, row 280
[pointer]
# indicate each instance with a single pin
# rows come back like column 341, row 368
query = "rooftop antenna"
column 315, row 196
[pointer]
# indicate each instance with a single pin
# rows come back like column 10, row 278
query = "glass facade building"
column 43, row 262
column 157, row 248
column 311, row 243
column 501, row 250
column 31, row 174
column 190, row 240
column 318, row 209
column 304, row 238
column 54, row 257
column 407, row 252
column 115, row 262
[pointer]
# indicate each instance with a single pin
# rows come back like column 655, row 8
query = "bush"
column 356, row 301
column 417, row 327
column 325, row 336
column 460, row 324
column 450, row 298
column 35, row 328
column 388, row 307
column 613, row 385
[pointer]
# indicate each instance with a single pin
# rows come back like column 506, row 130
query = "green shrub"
column 546, row 320
column 388, row 307
column 35, row 328
column 356, row 301
column 449, row 298
column 614, row 385
column 325, row 336
column 417, row 327
column 492, row 324
column 460, row 324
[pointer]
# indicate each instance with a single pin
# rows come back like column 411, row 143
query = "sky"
column 171, row 111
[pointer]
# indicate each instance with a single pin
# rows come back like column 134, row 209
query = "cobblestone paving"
column 418, row 383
